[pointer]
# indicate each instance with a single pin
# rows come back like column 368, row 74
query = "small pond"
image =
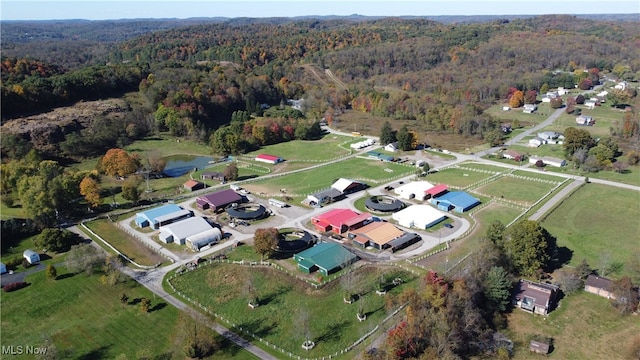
column 178, row 165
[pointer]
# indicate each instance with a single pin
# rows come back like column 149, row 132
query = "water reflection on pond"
column 178, row 165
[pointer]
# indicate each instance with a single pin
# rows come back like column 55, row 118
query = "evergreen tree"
column 387, row 136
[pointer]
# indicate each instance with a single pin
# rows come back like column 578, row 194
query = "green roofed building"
column 324, row 257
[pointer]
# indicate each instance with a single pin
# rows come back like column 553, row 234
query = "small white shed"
column 31, row 256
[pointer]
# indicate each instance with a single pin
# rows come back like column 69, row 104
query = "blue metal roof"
column 152, row 214
column 459, row 199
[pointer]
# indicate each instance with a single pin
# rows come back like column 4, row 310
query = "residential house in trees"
column 535, row 297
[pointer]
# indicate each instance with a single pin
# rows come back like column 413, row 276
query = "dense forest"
column 189, row 77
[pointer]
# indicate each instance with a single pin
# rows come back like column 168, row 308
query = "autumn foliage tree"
column 266, row 241
column 517, row 99
column 118, row 162
column 90, row 189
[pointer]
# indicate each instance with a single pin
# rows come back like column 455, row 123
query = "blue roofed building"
column 161, row 215
column 457, row 201
column 324, row 257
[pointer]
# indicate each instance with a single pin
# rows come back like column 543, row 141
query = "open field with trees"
column 584, row 326
column 238, row 87
column 586, row 220
column 64, row 315
column 289, row 309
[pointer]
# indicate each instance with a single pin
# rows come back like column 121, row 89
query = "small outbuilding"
column 193, row 185
column 211, row 175
column 31, row 256
column 539, row 347
column 585, row 120
column 599, row 285
column 3, row 268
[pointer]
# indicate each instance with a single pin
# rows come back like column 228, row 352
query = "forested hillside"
column 191, row 78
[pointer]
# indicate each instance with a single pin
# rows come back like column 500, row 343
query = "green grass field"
column 332, row 323
column 539, row 175
column 456, row 177
column 585, row 326
column 329, row 147
column 587, row 221
column 127, row 245
column 167, row 145
column 523, row 192
column 461, row 248
column 306, row 182
column 85, row 319
column 483, row 167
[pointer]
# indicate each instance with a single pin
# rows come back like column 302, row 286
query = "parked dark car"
column 450, row 226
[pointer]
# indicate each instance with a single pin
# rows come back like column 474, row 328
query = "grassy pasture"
column 122, row 241
column 539, row 175
column 553, row 150
column 461, row 248
column 587, row 221
column 167, row 145
column 306, row 182
column 329, row 147
column 86, row 320
column 456, row 177
column 484, row 167
column 521, row 191
column 332, row 323
column 585, row 326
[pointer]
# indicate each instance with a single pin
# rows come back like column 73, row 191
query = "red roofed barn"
column 339, row 220
column 269, row 159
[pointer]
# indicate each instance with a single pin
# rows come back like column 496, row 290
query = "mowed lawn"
column 327, row 148
column 283, row 299
column 598, row 223
column 306, row 182
column 456, row 177
column 585, row 326
column 85, row 319
column 524, row 192
column 125, row 243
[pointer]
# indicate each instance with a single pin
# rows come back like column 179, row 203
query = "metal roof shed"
column 326, row 256
column 200, row 240
column 459, row 200
column 147, row 218
column 179, row 231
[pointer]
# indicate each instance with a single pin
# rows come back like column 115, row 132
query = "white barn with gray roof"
column 178, row 232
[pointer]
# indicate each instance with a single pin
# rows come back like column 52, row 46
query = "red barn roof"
column 267, row 157
column 438, row 189
column 337, row 218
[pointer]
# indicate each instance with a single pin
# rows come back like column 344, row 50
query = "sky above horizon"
column 122, row 9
